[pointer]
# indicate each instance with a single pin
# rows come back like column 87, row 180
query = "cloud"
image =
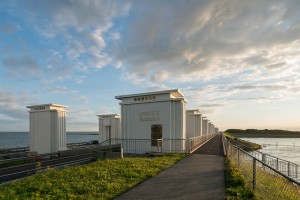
column 20, row 66
column 60, row 89
column 13, row 105
column 264, row 99
column 74, row 94
column 81, row 26
column 205, row 40
column 247, row 88
column 276, row 65
column 160, row 76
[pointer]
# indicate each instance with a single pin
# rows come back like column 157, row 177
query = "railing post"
column 238, row 159
column 288, row 168
column 254, row 173
column 227, row 146
column 110, row 144
column 276, row 163
column 296, row 171
column 263, row 158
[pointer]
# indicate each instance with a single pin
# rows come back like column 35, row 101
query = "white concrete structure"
column 193, row 123
column 109, row 127
column 204, row 126
column 211, row 129
column 47, row 128
column 154, row 116
column 216, row 130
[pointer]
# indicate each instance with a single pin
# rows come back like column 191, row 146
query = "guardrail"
column 69, row 146
column 17, row 172
column 14, row 150
column 140, row 146
column 288, row 168
column 267, row 181
column 196, row 142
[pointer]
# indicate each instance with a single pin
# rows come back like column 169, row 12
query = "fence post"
column 254, row 173
column 297, row 171
column 289, row 164
column 238, row 158
column 227, row 146
column 277, row 163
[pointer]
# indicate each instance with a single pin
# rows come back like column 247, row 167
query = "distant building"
column 109, row 127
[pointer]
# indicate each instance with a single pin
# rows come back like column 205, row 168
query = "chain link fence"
column 266, row 180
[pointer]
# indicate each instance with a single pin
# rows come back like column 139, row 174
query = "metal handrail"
column 265, row 163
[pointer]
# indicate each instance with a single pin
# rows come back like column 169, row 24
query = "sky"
column 237, row 61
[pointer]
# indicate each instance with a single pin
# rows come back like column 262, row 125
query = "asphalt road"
column 21, row 171
column 199, row 176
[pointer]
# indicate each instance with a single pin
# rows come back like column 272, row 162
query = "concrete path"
column 199, row 176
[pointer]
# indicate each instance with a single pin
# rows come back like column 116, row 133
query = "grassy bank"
column 242, row 143
column 235, row 183
column 98, row 180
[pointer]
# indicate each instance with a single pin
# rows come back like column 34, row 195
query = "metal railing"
column 196, row 142
column 266, row 181
column 286, row 167
column 140, row 146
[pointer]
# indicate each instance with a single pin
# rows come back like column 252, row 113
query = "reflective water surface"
column 284, row 148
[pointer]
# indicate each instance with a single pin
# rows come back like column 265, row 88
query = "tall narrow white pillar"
column 47, row 126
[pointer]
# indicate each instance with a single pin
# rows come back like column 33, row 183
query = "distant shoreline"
column 254, row 133
column 261, row 135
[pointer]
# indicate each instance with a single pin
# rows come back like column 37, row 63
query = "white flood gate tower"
column 109, row 127
column 154, row 121
column 204, row 126
column 193, row 123
column 47, row 126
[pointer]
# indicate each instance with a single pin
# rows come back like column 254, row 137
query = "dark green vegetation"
column 235, row 183
column 98, row 180
column 246, row 145
column 263, row 133
column 15, row 163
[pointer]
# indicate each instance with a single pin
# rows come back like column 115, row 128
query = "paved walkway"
column 199, row 176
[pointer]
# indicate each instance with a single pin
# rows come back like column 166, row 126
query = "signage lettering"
column 149, row 116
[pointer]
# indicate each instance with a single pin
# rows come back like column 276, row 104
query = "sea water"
column 284, row 148
column 21, row 139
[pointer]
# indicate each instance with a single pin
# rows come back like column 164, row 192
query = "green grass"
column 98, row 180
column 268, row 185
column 273, row 186
column 235, row 183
